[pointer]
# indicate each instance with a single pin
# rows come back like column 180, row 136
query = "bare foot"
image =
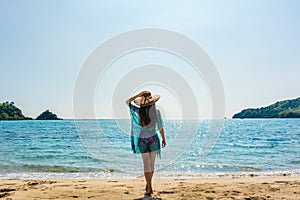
column 149, row 191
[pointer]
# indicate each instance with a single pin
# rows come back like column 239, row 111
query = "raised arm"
column 128, row 101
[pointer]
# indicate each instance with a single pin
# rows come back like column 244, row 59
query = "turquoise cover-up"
column 144, row 139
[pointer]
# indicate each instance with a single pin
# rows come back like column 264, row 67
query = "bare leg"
column 149, row 162
column 152, row 162
column 147, row 171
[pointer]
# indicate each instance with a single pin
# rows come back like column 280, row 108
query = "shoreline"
column 116, row 175
column 256, row 187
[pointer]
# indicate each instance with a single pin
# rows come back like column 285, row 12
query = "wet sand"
column 247, row 188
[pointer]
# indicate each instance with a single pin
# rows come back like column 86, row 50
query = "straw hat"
column 147, row 99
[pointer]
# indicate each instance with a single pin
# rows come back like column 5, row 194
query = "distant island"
column 280, row 109
column 8, row 111
column 47, row 115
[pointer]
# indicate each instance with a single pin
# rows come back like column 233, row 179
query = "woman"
column 146, row 120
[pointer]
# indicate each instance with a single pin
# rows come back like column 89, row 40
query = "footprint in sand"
column 112, row 181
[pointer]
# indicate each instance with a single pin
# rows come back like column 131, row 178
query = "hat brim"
column 154, row 98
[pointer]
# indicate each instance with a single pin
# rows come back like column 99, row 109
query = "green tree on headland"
column 8, row 111
column 280, row 109
column 47, row 115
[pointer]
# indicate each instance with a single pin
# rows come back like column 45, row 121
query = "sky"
column 253, row 44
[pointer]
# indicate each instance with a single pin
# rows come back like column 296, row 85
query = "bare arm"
column 128, row 101
column 162, row 133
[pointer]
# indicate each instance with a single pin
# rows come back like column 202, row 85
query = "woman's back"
column 149, row 130
column 146, row 123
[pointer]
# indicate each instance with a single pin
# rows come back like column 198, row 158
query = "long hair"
column 147, row 115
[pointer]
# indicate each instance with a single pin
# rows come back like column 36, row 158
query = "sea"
column 195, row 148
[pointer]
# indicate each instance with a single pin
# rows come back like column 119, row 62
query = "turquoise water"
column 80, row 148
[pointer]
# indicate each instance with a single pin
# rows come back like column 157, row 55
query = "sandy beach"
column 248, row 188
